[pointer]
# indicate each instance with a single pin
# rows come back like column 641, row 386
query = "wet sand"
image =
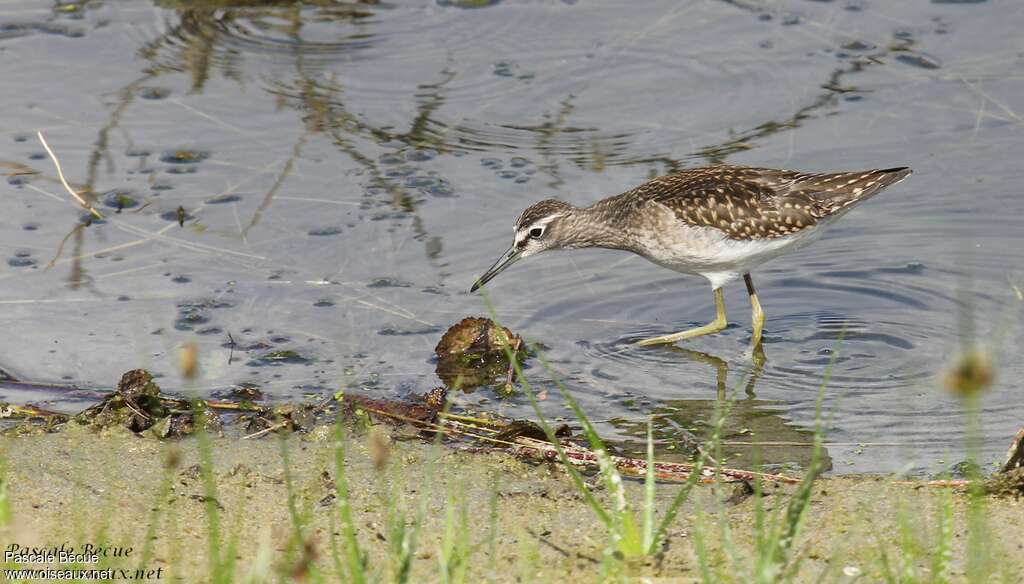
column 79, row 487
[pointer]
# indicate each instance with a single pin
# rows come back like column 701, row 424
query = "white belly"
column 709, row 253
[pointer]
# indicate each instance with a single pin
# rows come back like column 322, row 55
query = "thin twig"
column 60, row 248
column 15, row 411
column 137, row 411
column 63, row 181
column 267, row 430
column 579, row 456
column 945, row 484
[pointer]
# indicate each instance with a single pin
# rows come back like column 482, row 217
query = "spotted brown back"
column 748, row 203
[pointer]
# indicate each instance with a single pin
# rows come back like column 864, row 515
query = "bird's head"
column 538, row 229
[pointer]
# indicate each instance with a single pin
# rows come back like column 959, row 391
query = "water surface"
column 346, row 170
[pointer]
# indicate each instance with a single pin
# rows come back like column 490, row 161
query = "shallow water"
column 348, row 169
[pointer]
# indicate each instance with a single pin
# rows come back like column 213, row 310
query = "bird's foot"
column 756, row 353
column 710, row 328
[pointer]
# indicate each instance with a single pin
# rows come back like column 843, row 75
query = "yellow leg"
column 712, row 327
column 756, row 314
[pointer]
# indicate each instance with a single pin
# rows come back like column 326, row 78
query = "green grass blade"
column 213, row 531
column 649, row 542
column 574, row 473
column 339, row 569
column 166, row 482
column 700, row 550
column 6, row 516
column 942, row 557
column 353, row 556
column 293, row 509
column 492, row 534
column 698, row 468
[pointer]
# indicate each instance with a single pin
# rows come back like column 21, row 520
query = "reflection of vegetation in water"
column 204, row 40
column 217, row 36
column 833, row 86
column 208, row 32
column 325, row 112
column 209, row 35
column 546, row 131
column 744, row 140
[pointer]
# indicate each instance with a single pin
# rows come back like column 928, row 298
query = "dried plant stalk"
column 63, row 181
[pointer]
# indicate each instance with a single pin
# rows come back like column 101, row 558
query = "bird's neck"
column 603, row 224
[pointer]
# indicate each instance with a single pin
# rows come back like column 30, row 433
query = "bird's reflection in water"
column 755, row 432
column 721, row 367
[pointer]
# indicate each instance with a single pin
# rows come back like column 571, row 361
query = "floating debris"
column 274, row 358
column 154, row 92
column 224, row 199
column 475, row 352
column 120, row 199
column 436, row 398
column 246, row 392
column 324, row 231
column 184, row 156
column 468, row 3
column 919, row 60
column 135, row 405
column 285, row 417
column 179, row 425
column 138, row 405
column 388, row 283
column 22, row 259
column 397, row 413
column 34, row 420
column 476, row 337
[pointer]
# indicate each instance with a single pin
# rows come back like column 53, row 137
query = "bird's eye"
column 536, row 232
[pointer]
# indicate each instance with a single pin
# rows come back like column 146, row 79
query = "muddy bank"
column 78, row 487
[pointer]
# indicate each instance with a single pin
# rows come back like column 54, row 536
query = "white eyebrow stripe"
column 524, row 233
column 543, row 222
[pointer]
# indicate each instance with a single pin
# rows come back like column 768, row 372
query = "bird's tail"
column 842, row 189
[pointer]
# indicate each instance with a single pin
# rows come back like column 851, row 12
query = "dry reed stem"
column 267, row 430
column 63, row 181
column 579, row 456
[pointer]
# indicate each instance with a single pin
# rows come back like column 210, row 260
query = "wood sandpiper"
column 719, row 222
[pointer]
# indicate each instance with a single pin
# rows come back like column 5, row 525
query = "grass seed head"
column 971, row 375
column 188, row 360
